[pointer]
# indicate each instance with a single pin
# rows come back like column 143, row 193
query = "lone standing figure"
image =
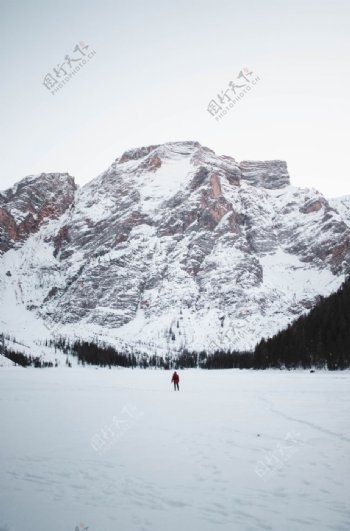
column 176, row 380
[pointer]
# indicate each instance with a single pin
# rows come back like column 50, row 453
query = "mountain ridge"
column 175, row 247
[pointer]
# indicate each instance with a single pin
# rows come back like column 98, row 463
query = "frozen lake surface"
column 120, row 450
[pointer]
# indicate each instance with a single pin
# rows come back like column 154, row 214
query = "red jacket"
column 175, row 378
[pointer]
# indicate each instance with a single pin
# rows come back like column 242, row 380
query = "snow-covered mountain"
column 171, row 247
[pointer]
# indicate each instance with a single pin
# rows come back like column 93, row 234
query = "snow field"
column 120, row 450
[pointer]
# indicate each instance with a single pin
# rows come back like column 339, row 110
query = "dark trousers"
column 176, row 386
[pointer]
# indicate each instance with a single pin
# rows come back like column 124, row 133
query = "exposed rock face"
column 173, row 241
column 314, row 205
column 270, row 174
column 136, row 154
column 8, row 230
column 29, row 203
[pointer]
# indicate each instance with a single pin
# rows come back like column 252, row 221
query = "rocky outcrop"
column 270, row 174
column 8, row 230
column 312, row 205
column 136, row 154
column 32, row 201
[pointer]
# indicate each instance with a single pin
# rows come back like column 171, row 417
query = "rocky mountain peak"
column 166, row 150
column 136, row 153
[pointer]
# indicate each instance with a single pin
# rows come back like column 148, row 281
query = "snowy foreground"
column 120, row 450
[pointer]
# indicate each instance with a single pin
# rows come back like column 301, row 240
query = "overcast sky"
column 156, row 66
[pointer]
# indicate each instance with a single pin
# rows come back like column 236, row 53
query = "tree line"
column 320, row 339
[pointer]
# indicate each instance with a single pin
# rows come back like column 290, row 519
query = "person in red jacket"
column 176, row 380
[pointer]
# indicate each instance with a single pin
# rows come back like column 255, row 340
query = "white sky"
column 157, row 65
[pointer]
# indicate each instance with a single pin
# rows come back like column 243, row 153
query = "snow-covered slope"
column 173, row 247
column 342, row 205
column 4, row 362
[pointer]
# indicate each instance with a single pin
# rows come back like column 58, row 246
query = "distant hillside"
column 321, row 338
